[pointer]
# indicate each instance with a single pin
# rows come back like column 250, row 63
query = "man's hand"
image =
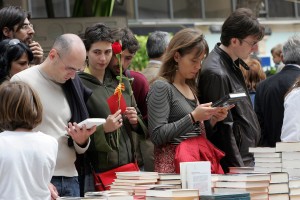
column 78, row 134
column 53, row 191
column 37, row 51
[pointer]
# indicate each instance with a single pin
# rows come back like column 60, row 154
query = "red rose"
column 116, row 47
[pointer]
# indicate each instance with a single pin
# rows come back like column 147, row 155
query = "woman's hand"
column 220, row 115
column 113, row 122
column 131, row 115
column 204, row 112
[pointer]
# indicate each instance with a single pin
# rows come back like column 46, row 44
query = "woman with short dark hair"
column 15, row 56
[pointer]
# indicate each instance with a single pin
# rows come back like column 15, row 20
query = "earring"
column 176, row 67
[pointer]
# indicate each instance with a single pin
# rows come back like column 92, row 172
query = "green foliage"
column 140, row 59
column 89, row 8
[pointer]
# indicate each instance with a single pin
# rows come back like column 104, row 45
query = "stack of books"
column 290, row 157
column 266, row 159
column 279, row 186
column 255, row 184
column 169, row 179
column 294, row 186
column 126, row 181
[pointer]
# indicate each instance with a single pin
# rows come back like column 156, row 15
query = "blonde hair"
column 254, row 75
column 20, row 106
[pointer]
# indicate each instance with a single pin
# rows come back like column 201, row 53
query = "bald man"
column 63, row 97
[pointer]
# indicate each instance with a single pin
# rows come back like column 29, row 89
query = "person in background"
column 14, row 23
column 64, row 100
column 156, row 45
column 269, row 99
column 140, row 88
column 221, row 75
column 254, row 75
column 277, row 57
column 174, row 112
column 290, row 131
column 15, row 56
column 27, row 157
column 110, row 144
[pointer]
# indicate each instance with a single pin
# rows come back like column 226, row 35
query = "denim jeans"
column 66, row 186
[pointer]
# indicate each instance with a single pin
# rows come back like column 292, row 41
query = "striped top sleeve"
column 168, row 114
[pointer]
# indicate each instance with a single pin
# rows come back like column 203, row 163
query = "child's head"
column 20, row 106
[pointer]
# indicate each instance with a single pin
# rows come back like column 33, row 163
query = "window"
column 154, row 9
column 280, row 8
column 217, row 8
column 187, row 9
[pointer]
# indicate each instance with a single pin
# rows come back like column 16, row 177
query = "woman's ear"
column 176, row 56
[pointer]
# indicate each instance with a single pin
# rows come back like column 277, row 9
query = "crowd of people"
column 45, row 154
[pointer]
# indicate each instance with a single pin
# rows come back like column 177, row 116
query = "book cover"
column 196, row 175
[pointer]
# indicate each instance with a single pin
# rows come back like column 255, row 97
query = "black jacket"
column 240, row 130
column 269, row 103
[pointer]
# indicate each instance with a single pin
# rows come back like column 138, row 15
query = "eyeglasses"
column 13, row 42
column 27, row 26
column 69, row 68
column 250, row 44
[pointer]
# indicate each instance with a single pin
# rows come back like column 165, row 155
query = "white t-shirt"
column 290, row 131
column 27, row 162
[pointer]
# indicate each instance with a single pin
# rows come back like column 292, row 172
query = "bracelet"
column 193, row 119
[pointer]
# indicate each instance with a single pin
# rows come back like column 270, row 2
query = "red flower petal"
column 116, row 47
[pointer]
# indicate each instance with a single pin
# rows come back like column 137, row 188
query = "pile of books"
column 290, row 157
column 255, row 184
column 294, row 186
column 170, row 179
column 279, row 186
column 266, row 159
column 134, row 181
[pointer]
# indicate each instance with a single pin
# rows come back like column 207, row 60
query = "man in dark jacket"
column 269, row 99
column 221, row 75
